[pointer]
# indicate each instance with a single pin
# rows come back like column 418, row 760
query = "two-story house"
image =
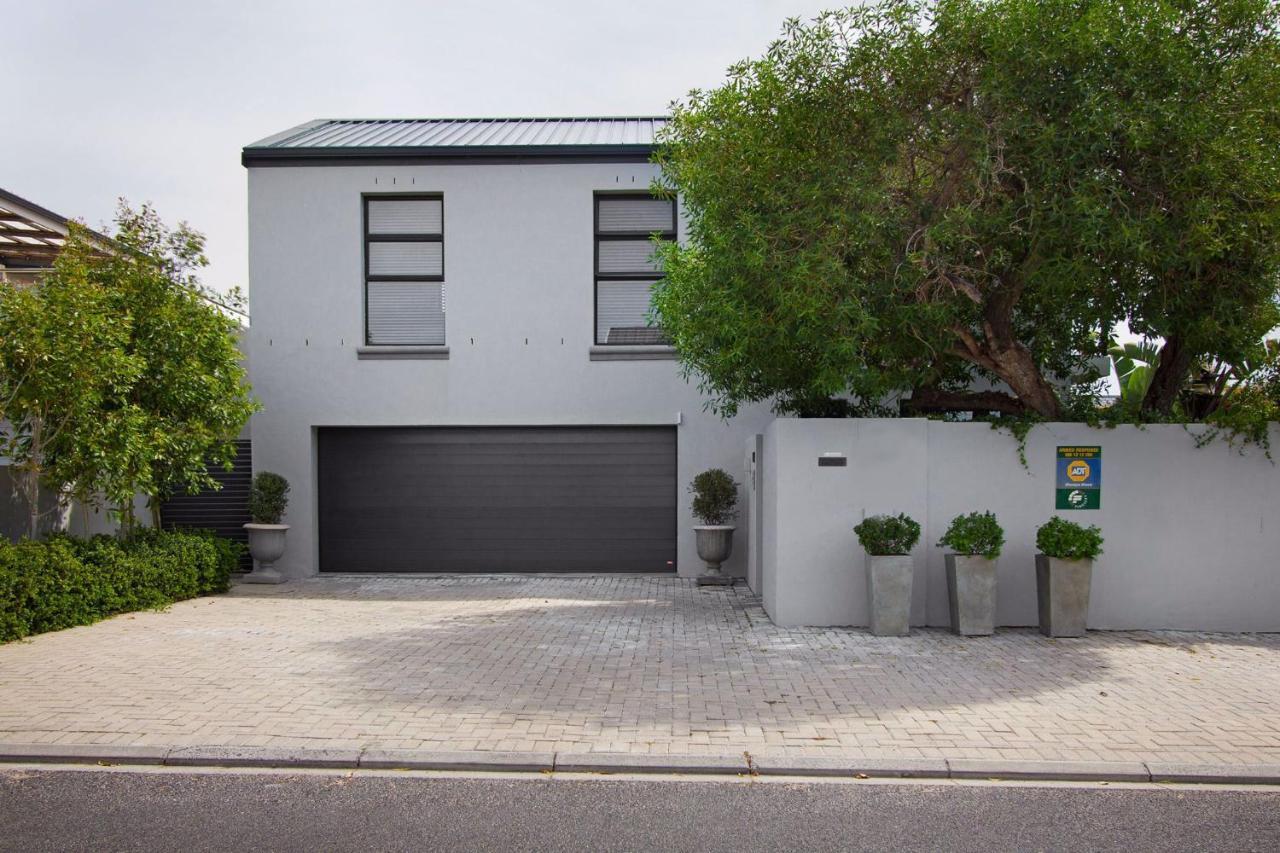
column 450, row 336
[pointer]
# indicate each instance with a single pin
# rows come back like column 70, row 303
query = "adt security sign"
column 1079, row 478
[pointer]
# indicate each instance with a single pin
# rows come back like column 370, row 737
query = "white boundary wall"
column 1192, row 539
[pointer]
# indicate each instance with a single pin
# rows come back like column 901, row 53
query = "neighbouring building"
column 30, row 238
column 451, row 340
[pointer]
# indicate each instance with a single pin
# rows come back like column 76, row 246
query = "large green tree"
column 120, row 374
column 913, row 197
column 63, row 366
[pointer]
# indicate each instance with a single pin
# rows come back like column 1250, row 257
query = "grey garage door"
column 497, row 499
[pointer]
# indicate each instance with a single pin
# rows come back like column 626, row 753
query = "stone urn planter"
column 977, row 539
column 714, row 543
column 889, row 594
column 1064, row 575
column 266, row 545
column 268, row 499
column 1062, row 593
column 715, row 501
column 971, row 594
column 888, row 540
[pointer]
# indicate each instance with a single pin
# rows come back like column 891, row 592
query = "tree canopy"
column 917, row 200
column 118, row 374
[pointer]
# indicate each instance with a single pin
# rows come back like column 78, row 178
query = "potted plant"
column 976, row 540
column 888, row 540
column 715, row 500
column 1064, row 573
column 268, row 498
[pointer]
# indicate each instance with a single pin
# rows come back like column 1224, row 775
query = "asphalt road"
column 110, row 810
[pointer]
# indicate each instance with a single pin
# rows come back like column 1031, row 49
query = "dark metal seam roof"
column 627, row 138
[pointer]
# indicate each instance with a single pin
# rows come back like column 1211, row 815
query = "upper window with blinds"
column 626, row 267
column 404, row 270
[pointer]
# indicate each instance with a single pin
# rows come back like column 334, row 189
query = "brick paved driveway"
column 631, row 664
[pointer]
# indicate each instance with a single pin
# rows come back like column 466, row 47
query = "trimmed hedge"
column 61, row 582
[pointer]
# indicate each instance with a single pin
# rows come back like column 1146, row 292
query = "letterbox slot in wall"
column 832, row 460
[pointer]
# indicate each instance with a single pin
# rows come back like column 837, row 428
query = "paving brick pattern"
column 639, row 665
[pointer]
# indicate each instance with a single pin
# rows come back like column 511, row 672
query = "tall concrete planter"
column 714, row 543
column 971, row 594
column 1062, row 592
column 889, row 594
column 887, row 541
column 266, row 545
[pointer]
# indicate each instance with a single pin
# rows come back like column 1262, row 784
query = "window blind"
column 634, row 214
column 627, row 265
column 413, row 216
column 404, row 263
column 406, row 313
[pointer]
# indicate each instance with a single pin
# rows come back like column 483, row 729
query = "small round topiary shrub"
column 715, row 497
column 977, row 534
column 888, row 535
column 1067, row 540
column 268, row 497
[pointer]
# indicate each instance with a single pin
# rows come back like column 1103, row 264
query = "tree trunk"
column 1169, row 377
column 1014, row 364
column 31, row 478
column 33, row 509
column 128, row 520
column 1000, row 352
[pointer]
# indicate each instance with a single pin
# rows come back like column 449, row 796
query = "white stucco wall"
column 519, row 296
column 1192, row 539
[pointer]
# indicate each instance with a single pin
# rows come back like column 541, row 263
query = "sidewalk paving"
column 642, row 666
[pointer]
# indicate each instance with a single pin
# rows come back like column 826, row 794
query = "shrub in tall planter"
column 1064, row 575
column 715, row 502
column 268, row 499
column 888, row 540
column 975, row 540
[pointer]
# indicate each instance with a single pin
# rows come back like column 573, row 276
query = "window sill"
column 374, row 353
column 647, row 352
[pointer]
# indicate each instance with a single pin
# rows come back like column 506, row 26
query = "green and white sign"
column 1079, row 477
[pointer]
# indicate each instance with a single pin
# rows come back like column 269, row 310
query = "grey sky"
column 153, row 100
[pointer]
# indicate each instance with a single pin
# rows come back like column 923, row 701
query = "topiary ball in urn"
column 268, row 500
column 715, row 502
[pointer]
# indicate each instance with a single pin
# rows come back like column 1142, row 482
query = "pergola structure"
column 30, row 236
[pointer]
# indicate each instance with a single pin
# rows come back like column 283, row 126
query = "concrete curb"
column 619, row 762
column 742, row 764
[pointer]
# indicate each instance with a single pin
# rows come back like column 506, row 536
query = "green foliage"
column 888, row 535
column 975, row 534
column 908, row 196
column 715, row 497
column 64, row 368
column 230, row 555
column 117, row 373
column 61, row 582
column 1135, row 364
column 1067, row 540
column 268, row 497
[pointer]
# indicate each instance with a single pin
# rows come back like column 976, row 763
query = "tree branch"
column 924, row 400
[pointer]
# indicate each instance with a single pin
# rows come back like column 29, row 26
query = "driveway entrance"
column 640, row 665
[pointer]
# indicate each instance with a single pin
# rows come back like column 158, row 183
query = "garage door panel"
column 495, row 494
column 597, row 525
column 497, row 499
